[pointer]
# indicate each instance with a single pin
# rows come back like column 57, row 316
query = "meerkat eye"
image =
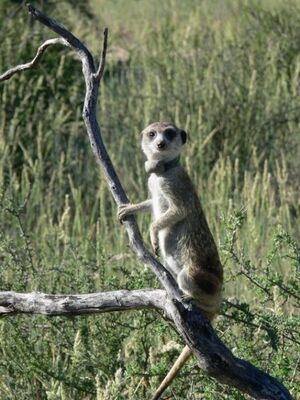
column 152, row 134
column 170, row 133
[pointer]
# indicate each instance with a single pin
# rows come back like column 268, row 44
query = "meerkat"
column 179, row 231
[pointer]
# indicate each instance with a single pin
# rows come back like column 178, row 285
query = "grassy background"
column 228, row 73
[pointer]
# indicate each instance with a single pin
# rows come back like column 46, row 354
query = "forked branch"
column 212, row 354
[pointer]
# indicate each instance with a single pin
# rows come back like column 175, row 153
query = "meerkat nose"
column 161, row 144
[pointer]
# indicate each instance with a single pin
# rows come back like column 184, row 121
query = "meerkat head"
column 162, row 141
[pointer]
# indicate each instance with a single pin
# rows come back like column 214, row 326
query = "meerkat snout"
column 161, row 144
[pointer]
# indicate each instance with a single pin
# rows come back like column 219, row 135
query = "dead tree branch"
column 99, row 73
column 212, row 354
column 34, row 62
column 77, row 304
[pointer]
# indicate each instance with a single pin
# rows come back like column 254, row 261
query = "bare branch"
column 76, row 304
column 99, row 150
column 58, row 28
column 99, row 73
column 23, row 67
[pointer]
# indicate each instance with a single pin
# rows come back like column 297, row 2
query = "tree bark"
column 77, row 304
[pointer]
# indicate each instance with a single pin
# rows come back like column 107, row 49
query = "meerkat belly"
column 159, row 202
column 169, row 236
column 170, row 248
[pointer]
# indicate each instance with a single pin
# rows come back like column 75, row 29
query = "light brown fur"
column 179, row 230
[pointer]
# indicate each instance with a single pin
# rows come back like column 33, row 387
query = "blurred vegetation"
column 226, row 71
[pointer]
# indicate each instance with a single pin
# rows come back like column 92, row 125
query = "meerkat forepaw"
column 123, row 211
column 185, row 297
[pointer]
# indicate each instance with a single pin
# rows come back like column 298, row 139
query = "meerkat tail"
column 181, row 360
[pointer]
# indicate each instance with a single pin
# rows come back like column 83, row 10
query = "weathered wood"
column 212, row 354
column 77, row 304
column 34, row 62
column 99, row 73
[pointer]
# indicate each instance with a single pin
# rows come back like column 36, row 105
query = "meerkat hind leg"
column 181, row 360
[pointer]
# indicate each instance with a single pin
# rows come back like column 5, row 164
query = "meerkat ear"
column 140, row 136
column 183, row 136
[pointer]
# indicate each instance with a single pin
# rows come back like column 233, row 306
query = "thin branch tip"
column 84, row 54
column 99, row 74
column 35, row 61
column 31, row 8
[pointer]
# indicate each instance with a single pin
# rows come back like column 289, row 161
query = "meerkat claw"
column 122, row 212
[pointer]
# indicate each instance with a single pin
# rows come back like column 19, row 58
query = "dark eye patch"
column 170, row 133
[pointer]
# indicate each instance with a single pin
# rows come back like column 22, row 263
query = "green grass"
column 228, row 73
